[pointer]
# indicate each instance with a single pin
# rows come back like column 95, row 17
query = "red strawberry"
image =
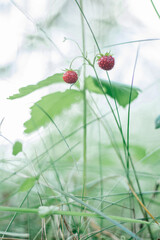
column 70, row 76
column 106, row 62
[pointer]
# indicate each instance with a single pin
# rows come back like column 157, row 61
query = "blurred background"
column 32, row 48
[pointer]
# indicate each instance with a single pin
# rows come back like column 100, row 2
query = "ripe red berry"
column 70, row 76
column 106, row 62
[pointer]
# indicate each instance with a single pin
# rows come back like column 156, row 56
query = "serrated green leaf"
column 157, row 122
column 17, row 148
column 53, row 104
column 27, row 184
column 56, row 78
column 120, row 91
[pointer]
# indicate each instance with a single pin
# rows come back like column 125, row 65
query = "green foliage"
column 137, row 151
column 17, row 148
column 152, row 158
column 119, row 91
column 157, row 122
column 80, row 169
column 28, row 184
column 53, row 104
column 56, row 78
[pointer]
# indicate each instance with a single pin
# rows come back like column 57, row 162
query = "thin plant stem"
column 101, row 86
column 96, row 211
column 108, row 100
column 14, row 216
column 124, row 142
column 72, row 213
column 81, row 10
column 117, row 110
column 113, row 113
column 129, row 107
column 135, row 41
column 52, row 163
column 43, row 110
column 155, row 8
column 84, row 107
column 108, row 131
column 100, row 170
column 113, row 94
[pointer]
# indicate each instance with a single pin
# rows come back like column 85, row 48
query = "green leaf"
column 157, row 122
column 137, row 151
column 28, row 184
column 56, row 78
column 120, row 91
column 53, row 104
column 17, row 148
column 152, row 158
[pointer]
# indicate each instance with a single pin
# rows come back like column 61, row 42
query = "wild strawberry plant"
column 77, row 205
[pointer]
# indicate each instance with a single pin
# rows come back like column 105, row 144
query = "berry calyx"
column 70, row 76
column 106, row 62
